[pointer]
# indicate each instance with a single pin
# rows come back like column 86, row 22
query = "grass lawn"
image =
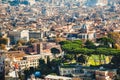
column 94, row 60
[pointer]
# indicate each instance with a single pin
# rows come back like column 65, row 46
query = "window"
column 87, row 36
column 80, row 36
column 1, row 68
column 68, row 71
column 64, row 71
column 83, row 37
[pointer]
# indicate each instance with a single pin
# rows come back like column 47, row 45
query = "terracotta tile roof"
column 15, row 54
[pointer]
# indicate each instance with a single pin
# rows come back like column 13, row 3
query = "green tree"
column 105, row 42
column 3, row 41
column 43, row 67
column 27, row 73
column 84, row 51
column 54, row 65
column 77, row 42
column 41, row 62
column 55, row 51
column 75, row 48
column 68, row 57
column 48, row 61
column 64, row 42
column 100, row 52
column 110, row 52
column 115, row 36
column 115, row 60
column 81, row 59
column 68, row 48
column 89, row 44
column 32, row 70
column 56, row 62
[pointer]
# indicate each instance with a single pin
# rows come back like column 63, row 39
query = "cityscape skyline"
column 58, row 2
column 60, row 40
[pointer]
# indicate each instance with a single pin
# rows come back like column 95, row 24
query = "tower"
column 39, row 48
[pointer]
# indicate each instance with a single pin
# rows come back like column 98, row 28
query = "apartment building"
column 22, row 64
column 70, row 69
column 31, row 60
column 21, row 60
column 35, row 34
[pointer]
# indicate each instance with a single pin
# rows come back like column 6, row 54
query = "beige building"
column 20, row 60
column 31, row 60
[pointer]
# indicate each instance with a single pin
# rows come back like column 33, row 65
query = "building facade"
column 16, row 35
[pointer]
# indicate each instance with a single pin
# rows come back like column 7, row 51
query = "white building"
column 87, row 33
column 16, row 35
column 70, row 69
column 31, row 2
column 28, row 63
column 13, row 74
column 53, row 77
column 102, row 2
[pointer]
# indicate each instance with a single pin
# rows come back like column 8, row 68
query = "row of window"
column 25, row 62
column 70, row 71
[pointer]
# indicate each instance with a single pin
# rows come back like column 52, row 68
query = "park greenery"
column 90, row 54
column 105, row 50
column 85, row 53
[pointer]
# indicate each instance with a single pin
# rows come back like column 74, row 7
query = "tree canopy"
column 106, row 41
column 55, row 51
column 3, row 41
column 75, row 48
column 89, row 44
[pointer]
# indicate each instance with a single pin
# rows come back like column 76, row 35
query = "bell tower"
column 39, row 48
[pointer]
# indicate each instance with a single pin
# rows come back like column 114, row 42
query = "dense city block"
column 59, row 39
